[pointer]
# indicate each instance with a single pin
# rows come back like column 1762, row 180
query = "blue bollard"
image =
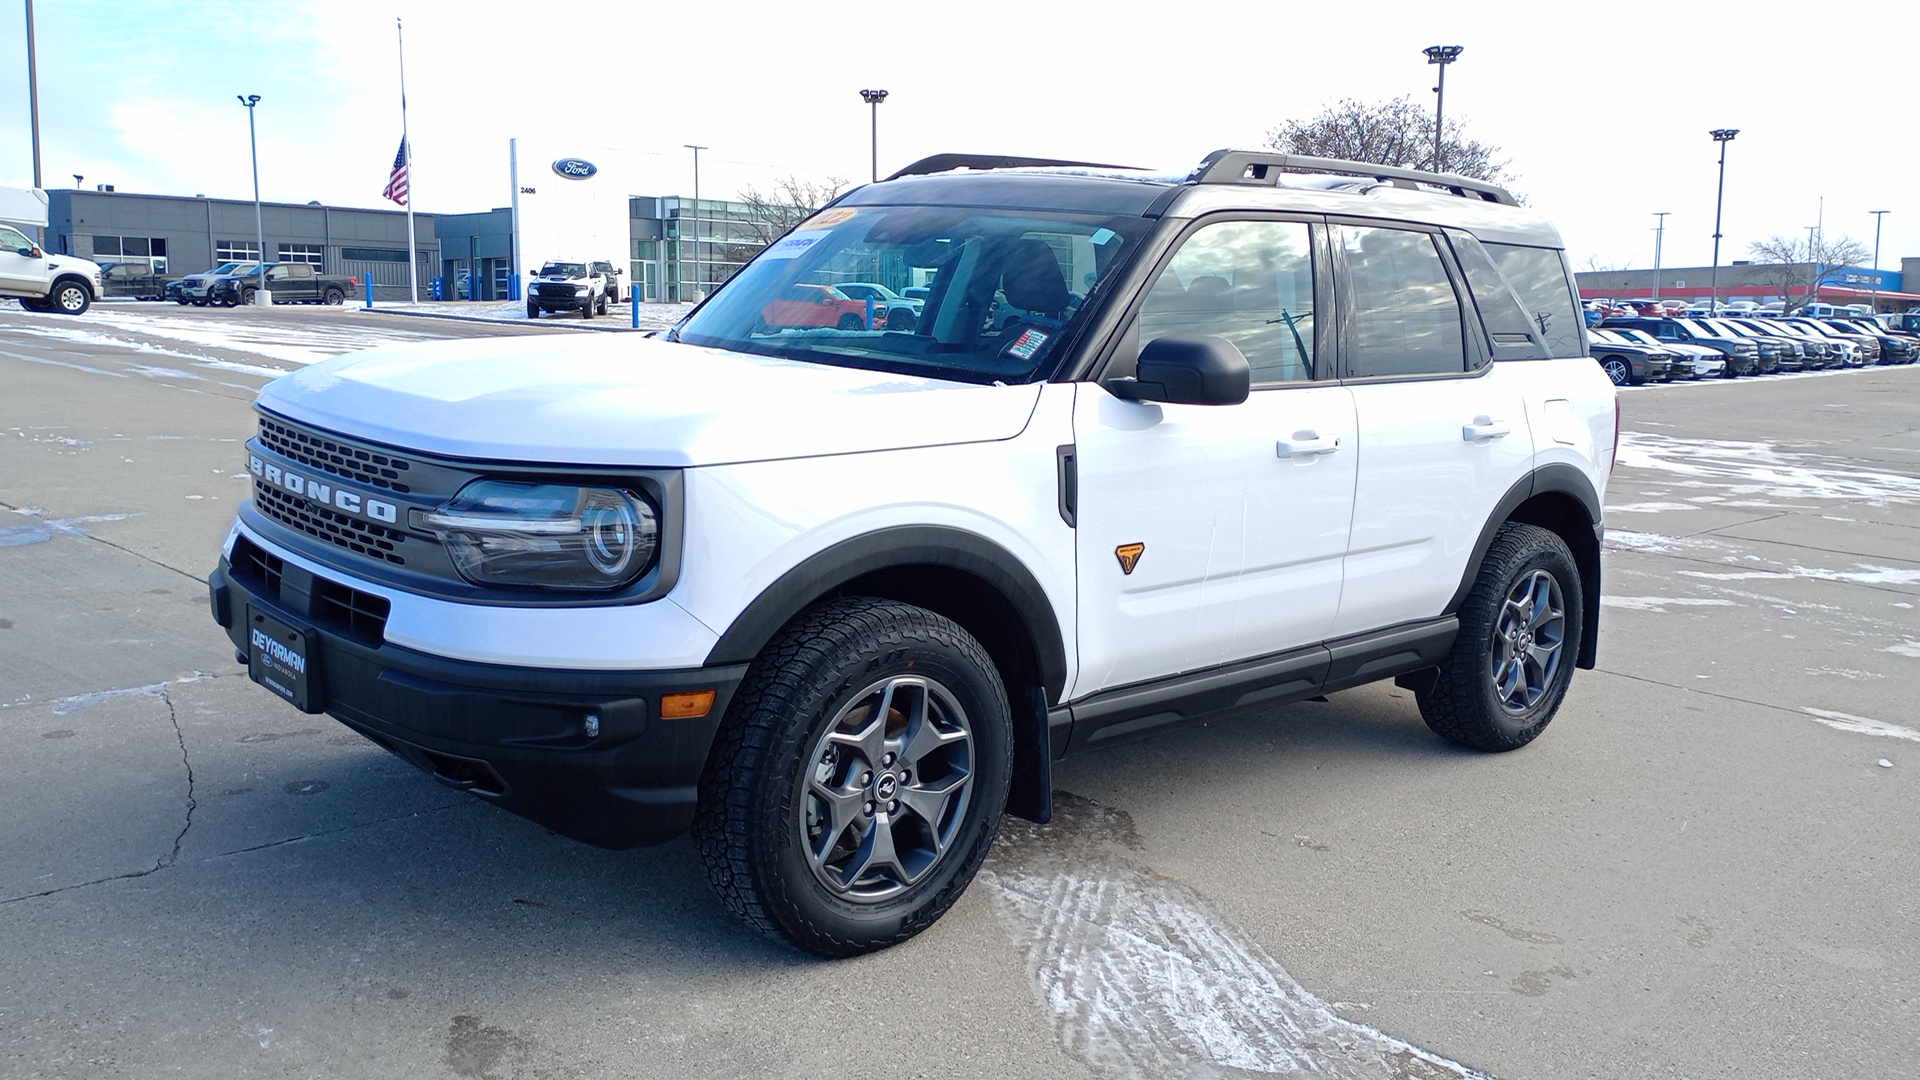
column 869, row 312
column 635, row 302
column 369, row 292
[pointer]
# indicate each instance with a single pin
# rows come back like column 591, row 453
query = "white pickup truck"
column 41, row 282
column 586, row 287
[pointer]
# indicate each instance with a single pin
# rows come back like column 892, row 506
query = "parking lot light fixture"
column 259, row 232
column 874, row 98
column 1659, row 234
column 1723, row 136
column 1873, row 300
column 1442, row 55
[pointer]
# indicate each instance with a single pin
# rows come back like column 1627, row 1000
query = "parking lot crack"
column 173, row 854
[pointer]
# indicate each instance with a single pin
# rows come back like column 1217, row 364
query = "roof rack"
column 1265, row 167
column 940, row 163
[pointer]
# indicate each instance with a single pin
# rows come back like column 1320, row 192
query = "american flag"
column 397, row 183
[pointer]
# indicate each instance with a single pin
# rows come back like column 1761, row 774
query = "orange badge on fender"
column 1129, row 556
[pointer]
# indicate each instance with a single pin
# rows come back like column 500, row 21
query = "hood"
column 68, row 262
column 621, row 399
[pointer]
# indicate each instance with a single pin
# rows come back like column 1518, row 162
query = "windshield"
column 564, row 270
column 1640, row 337
column 1698, row 329
column 1004, row 290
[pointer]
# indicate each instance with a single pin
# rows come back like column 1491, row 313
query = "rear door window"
column 1404, row 315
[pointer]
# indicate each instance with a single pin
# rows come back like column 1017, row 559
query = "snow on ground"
column 1762, row 469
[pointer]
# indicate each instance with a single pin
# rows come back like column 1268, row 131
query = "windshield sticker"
column 1027, row 344
column 827, row 219
column 795, row 244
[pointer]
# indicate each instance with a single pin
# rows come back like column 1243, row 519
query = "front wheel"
column 1617, row 370
column 1519, row 636
column 852, row 322
column 858, row 779
column 533, row 310
column 70, row 298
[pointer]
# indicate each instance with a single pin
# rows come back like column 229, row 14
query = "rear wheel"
column 858, row 779
column 1519, row 636
column 334, row 296
column 34, row 303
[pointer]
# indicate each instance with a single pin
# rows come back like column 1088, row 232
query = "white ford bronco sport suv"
column 1158, row 447
column 586, row 287
column 44, row 282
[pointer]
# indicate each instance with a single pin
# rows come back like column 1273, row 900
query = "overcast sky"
column 1604, row 113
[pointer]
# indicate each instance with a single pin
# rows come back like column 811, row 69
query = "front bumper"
column 562, row 303
column 516, row 736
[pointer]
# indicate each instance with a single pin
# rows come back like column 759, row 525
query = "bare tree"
column 772, row 214
column 1396, row 132
column 1789, row 263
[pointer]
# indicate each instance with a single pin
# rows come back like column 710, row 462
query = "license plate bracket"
column 281, row 658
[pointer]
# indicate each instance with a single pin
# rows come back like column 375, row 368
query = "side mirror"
column 29, row 252
column 1188, row 369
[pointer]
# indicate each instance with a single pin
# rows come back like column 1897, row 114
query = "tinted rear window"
column 1539, row 278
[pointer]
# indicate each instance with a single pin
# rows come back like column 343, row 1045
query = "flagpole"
column 413, row 254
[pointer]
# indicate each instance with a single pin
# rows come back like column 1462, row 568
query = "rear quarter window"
column 1539, row 277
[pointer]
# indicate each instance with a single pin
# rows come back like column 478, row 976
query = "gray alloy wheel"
column 858, row 778
column 1513, row 659
column 1528, row 641
column 70, row 298
column 1617, row 370
column 891, row 778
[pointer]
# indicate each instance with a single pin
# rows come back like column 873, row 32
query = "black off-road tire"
column 852, row 322
column 334, row 296
column 750, row 821
column 35, row 303
column 533, row 310
column 586, row 309
column 1463, row 705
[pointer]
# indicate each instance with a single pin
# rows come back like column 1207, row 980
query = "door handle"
column 1485, row 427
column 1306, row 444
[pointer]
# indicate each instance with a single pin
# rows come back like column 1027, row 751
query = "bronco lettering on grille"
column 322, row 492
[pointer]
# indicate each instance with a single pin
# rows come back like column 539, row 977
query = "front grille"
column 556, row 291
column 359, row 614
column 316, row 451
column 360, row 537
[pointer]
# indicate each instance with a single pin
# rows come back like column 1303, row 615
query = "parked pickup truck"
column 586, row 287
column 193, row 288
column 134, row 279
column 290, row 283
column 44, row 282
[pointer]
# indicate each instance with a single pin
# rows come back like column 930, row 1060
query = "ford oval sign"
column 574, row 169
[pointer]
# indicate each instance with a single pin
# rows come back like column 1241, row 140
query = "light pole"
column 1442, row 55
column 1874, row 299
column 259, row 232
column 1815, row 256
column 1723, row 136
column 874, row 98
column 33, row 111
column 696, row 219
column 1659, row 234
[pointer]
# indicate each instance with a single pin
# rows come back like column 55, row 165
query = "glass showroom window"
column 301, row 253
column 236, row 251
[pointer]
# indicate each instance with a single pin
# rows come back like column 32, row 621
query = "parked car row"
column 1639, row 348
column 235, row 283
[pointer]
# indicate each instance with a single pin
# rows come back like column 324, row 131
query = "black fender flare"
column 903, row 546
column 1554, row 478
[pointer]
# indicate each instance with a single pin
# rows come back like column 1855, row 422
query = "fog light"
column 592, row 726
column 688, row 706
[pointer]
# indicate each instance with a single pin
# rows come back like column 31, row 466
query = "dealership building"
column 177, row 235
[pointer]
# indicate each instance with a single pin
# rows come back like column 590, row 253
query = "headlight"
column 553, row 535
column 581, row 290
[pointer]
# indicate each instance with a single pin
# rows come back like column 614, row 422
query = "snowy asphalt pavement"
column 1705, row 869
